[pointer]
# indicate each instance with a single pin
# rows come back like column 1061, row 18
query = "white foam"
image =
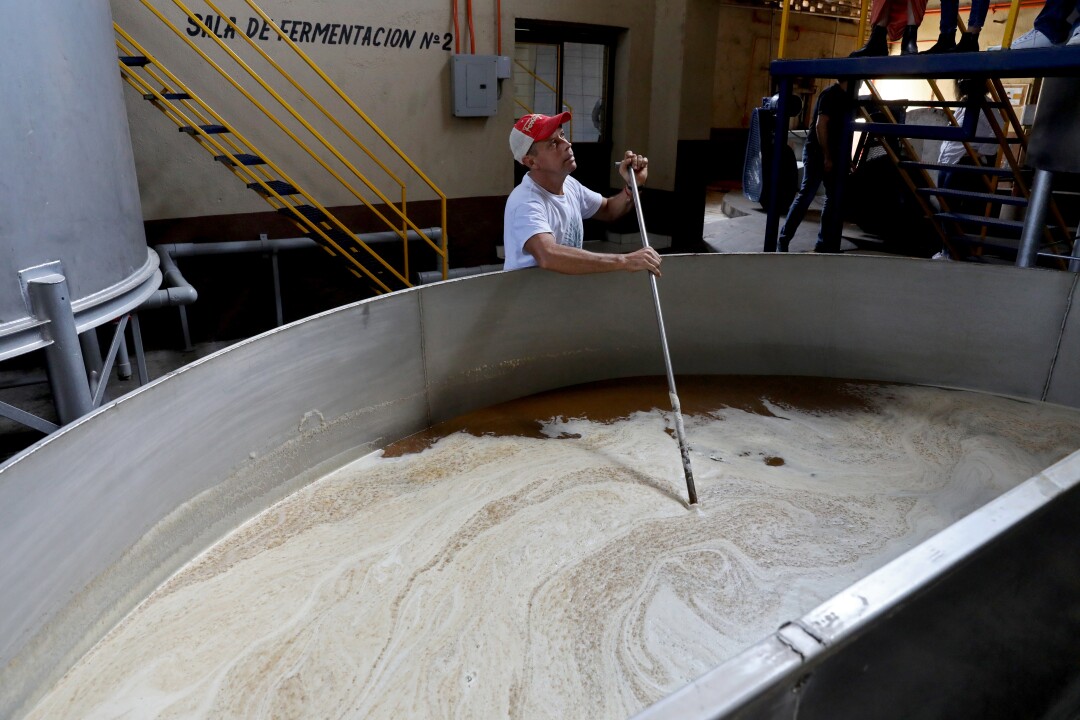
column 512, row 577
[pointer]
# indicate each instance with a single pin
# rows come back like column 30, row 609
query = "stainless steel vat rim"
column 24, row 335
column 475, row 341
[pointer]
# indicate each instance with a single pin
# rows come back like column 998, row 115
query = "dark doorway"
column 564, row 66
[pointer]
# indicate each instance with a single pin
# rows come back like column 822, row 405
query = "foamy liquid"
column 561, row 575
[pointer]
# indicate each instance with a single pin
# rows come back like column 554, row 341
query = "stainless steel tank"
column 69, row 199
column 97, row 515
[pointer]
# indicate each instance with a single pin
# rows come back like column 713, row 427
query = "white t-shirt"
column 531, row 209
column 952, row 150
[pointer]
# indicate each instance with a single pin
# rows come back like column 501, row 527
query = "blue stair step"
column 279, row 186
column 344, row 239
column 1001, row 172
column 313, row 214
column 979, row 220
column 208, row 129
column 134, row 60
column 242, row 158
column 981, row 196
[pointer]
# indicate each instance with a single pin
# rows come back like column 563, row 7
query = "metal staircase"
column 1006, row 183
column 367, row 255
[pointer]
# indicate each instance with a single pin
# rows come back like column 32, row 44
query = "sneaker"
column 1029, row 40
column 942, row 255
column 1075, row 38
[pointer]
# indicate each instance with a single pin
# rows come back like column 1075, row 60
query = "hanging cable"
column 498, row 27
column 457, row 33
column 472, row 33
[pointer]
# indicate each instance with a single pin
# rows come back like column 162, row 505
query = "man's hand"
column 640, row 163
column 644, row 259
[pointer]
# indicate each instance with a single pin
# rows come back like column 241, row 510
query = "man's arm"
column 550, row 255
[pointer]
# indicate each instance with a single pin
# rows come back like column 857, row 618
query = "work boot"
column 910, row 43
column 946, row 42
column 969, row 42
column 876, row 46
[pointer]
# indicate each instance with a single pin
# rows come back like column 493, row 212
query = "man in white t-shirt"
column 542, row 225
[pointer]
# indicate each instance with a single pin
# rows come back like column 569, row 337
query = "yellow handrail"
column 536, row 77
column 360, row 113
column 269, row 191
column 862, row 24
column 210, row 143
column 262, row 53
column 270, row 115
column 783, row 29
column 304, row 122
column 1010, row 25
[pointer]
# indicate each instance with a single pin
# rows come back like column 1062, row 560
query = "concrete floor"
column 735, row 224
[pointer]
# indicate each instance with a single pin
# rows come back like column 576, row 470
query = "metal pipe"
column 1035, row 220
column 265, row 245
column 51, row 301
column 28, row 419
column 279, row 317
column 185, row 330
column 430, row 276
column 91, row 350
column 123, row 361
column 1074, row 264
column 780, row 132
column 680, row 430
column 114, row 347
column 140, row 356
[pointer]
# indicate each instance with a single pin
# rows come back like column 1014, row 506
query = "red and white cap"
column 531, row 128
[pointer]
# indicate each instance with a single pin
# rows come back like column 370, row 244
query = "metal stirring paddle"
column 680, row 431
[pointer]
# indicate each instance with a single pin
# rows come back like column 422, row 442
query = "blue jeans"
column 832, row 222
column 1052, row 20
column 949, row 9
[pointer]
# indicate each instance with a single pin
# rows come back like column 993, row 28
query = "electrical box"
column 473, row 85
column 502, row 65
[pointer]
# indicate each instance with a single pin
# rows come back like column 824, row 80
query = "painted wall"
column 405, row 90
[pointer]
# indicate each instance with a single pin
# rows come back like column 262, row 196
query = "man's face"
column 554, row 154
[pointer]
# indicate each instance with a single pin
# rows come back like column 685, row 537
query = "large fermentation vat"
column 100, row 513
column 68, row 193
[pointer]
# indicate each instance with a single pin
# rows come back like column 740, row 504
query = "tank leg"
column 1035, row 221
column 91, row 350
column 140, row 356
column 51, row 301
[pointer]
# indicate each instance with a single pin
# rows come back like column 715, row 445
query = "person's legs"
column 969, row 40
column 947, row 22
column 946, row 28
column 877, row 45
column 832, row 216
column 977, row 15
column 812, row 170
column 1053, row 20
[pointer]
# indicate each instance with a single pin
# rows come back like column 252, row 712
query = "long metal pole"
column 680, row 431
